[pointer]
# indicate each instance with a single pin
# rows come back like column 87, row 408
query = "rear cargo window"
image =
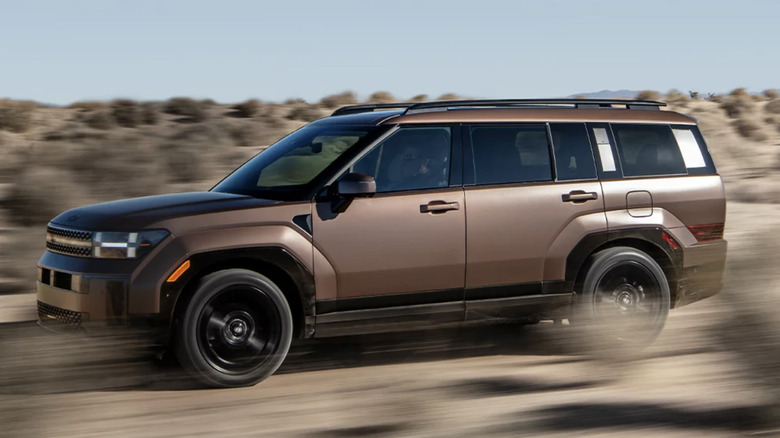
column 511, row 154
column 573, row 156
column 648, row 150
column 689, row 147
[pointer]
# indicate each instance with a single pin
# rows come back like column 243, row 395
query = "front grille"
column 70, row 234
column 48, row 314
column 67, row 241
column 69, row 250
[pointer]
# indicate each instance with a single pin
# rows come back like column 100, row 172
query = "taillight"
column 707, row 232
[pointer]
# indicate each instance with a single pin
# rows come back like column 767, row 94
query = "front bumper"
column 89, row 298
column 78, row 291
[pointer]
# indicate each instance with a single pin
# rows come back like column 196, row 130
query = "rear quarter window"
column 648, row 150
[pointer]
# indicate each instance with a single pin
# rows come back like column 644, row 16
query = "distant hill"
column 608, row 94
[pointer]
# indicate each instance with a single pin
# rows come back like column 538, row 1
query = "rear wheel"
column 625, row 300
column 236, row 329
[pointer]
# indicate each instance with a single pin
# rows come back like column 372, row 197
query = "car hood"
column 139, row 213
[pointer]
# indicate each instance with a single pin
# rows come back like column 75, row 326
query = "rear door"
column 521, row 196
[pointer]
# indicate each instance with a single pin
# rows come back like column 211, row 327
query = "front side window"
column 510, row 154
column 410, row 159
column 290, row 167
column 648, row 150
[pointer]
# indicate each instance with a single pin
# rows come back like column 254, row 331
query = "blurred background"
column 101, row 100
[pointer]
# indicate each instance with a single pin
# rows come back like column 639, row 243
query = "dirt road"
column 484, row 382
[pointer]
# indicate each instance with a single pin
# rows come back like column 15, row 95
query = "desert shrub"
column 40, row 193
column 381, row 97
column 182, row 162
column 15, row 115
column 749, row 129
column 739, row 92
column 99, row 120
column 88, row 105
column 674, row 97
column 191, row 109
column 737, row 106
column 337, row 100
column 206, row 103
column 714, row 97
column 295, row 101
column 773, row 106
column 449, row 96
column 73, row 132
column 207, row 135
column 419, row 98
column 694, row 95
column 648, row 95
column 304, row 113
column 248, row 108
column 771, row 94
column 116, row 167
column 150, row 113
column 242, row 133
column 126, row 113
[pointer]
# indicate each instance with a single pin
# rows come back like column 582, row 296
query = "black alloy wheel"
column 236, row 330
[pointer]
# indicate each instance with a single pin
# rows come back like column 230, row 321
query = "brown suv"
column 402, row 216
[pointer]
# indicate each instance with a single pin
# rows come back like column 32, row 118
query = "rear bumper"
column 702, row 274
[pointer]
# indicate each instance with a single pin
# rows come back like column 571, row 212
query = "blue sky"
column 61, row 51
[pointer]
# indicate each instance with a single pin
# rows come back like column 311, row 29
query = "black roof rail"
column 576, row 103
column 369, row 107
column 412, row 107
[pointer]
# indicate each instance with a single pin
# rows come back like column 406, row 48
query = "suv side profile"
column 406, row 216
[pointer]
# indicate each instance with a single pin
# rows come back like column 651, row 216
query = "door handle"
column 439, row 207
column 579, row 196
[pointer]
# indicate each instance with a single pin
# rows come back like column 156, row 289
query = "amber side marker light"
column 178, row 272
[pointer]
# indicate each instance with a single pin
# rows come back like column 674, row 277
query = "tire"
column 624, row 302
column 235, row 331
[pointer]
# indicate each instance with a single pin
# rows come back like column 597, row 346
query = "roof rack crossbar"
column 414, row 107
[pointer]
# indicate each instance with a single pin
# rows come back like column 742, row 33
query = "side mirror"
column 354, row 185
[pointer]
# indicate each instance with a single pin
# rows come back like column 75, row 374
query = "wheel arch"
column 651, row 241
column 276, row 263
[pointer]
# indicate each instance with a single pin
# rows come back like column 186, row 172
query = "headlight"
column 125, row 245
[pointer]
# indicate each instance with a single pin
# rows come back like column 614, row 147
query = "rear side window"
column 510, row 154
column 573, row 156
column 648, row 150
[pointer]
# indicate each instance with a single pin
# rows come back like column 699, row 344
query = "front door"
column 406, row 245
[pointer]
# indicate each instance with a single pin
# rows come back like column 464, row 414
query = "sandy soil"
column 698, row 378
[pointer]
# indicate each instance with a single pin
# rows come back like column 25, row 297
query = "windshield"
column 290, row 168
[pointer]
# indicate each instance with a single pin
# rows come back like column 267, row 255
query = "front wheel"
column 624, row 300
column 236, row 330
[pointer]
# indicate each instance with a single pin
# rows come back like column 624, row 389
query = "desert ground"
column 713, row 371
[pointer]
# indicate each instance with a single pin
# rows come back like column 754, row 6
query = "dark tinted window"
column 510, row 154
column 648, row 150
column 573, row 156
column 410, row 159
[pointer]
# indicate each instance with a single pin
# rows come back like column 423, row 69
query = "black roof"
column 364, row 118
